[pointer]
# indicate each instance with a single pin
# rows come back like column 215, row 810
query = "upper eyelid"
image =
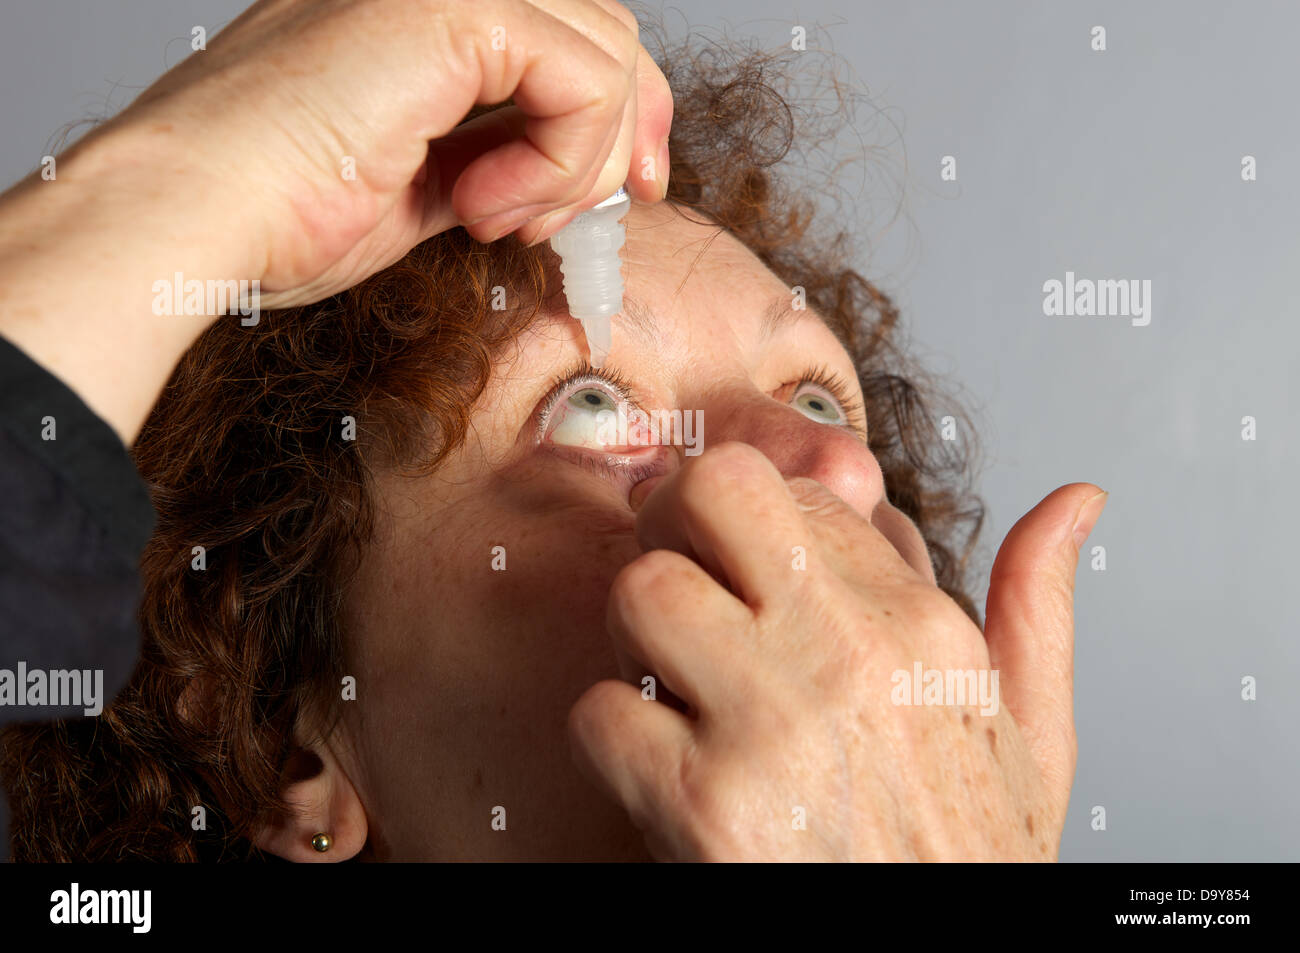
column 832, row 383
column 578, row 379
column 808, row 382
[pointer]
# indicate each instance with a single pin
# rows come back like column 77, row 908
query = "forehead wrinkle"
column 779, row 314
column 636, row 316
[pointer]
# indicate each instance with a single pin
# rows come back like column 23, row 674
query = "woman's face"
column 478, row 616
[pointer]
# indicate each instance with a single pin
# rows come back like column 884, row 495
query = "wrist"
column 86, row 255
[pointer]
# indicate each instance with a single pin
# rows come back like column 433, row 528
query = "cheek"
column 557, row 580
column 498, row 604
column 500, row 620
column 906, row 538
column 467, row 670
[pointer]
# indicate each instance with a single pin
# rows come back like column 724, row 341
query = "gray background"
column 1122, row 164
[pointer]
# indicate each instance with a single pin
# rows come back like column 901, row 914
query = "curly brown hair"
column 242, row 458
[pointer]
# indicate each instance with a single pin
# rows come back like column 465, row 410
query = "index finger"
column 640, row 157
column 573, row 91
column 758, row 534
column 651, row 112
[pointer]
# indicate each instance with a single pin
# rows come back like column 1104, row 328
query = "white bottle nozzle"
column 589, row 249
column 599, row 338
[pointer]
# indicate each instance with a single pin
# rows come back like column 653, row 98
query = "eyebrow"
column 637, row 318
column 641, row 321
column 779, row 314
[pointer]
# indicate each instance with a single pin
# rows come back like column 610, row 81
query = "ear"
column 318, row 798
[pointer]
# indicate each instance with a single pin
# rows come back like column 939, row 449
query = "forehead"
column 676, row 253
column 693, row 290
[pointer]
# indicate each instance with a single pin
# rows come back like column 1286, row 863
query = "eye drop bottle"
column 589, row 249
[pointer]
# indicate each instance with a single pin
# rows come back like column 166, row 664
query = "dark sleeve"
column 74, row 518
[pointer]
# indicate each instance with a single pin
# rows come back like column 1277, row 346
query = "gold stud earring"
column 322, row 842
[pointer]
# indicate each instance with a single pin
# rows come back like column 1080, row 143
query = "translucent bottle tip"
column 589, row 249
column 599, row 338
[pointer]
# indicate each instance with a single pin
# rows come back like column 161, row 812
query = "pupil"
column 816, row 405
column 592, row 399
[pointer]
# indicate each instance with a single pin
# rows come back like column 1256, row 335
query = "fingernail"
column 1087, row 518
column 663, row 169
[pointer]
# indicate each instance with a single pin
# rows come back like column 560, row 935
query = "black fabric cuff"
column 87, row 455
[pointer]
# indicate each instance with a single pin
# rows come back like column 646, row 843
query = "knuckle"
column 572, row 190
column 629, row 45
column 656, row 575
column 930, row 610
column 626, row 17
column 853, row 663
column 623, row 34
column 707, row 800
column 617, row 80
column 571, row 187
column 935, row 623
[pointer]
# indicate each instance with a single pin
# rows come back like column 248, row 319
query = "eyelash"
column 584, row 373
column 854, row 413
column 821, row 376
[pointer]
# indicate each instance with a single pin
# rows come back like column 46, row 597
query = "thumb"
column 1029, row 625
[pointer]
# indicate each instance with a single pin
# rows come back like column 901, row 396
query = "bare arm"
column 79, row 256
column 232, row 167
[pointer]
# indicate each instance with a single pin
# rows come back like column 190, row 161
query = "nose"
column 799, row 446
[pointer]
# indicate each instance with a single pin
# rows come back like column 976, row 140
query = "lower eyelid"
column 623, row 468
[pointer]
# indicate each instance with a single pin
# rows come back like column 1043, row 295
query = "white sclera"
column 589, row 249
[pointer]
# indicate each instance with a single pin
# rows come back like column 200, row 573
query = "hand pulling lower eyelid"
column 589, row 249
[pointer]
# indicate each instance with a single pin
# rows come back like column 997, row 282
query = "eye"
column 583, row 411
column 593, row 399
column 589, row 419
column 817, row 403
column 827, row 398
